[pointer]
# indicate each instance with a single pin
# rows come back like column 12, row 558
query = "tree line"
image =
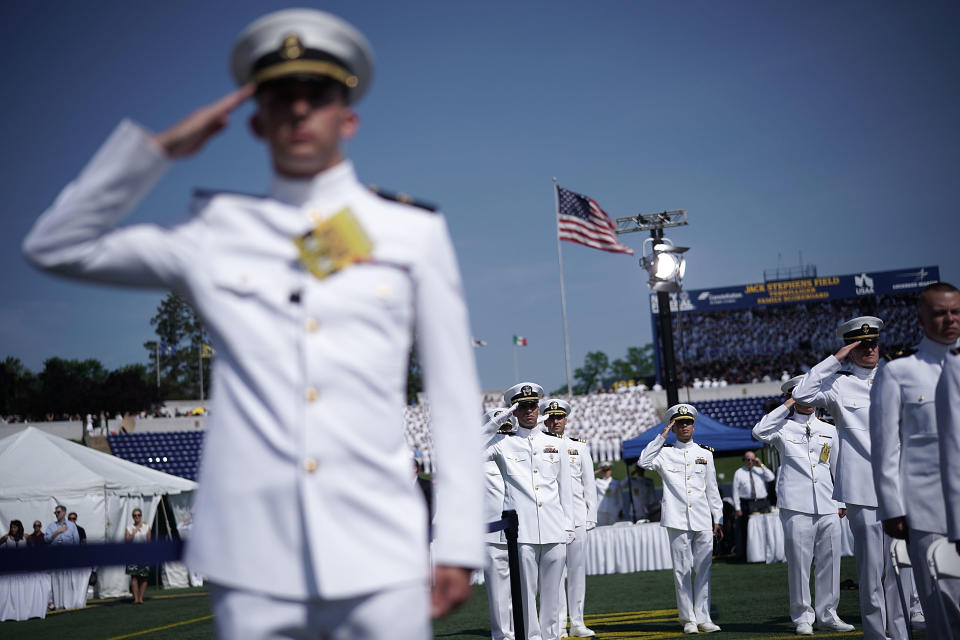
column 598, row 372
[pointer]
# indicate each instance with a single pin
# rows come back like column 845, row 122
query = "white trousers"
column 937, row 626
column 496, row 576
column 398, row 613
column 541, row 569
column 880, row 607
column 691, row 553
column 816, row 538
column 575, row 573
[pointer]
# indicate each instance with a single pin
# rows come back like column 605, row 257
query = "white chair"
column 901, row 560
column 944, row 562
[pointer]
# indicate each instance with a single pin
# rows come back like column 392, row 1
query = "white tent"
column 39, row 471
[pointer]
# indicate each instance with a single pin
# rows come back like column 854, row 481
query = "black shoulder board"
column 703, row 446
column 551, row 434
column 668, row 444
column 899, row 352
column 844, row 373
column 506, row 430
column 956, row 351
column 402, row 198
column 583, row 440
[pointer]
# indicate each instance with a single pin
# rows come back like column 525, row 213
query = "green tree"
column 130, row 389
column 17, row 387
column 636, row 365
column 69, row 387
column 596, row 365
column 178, row 326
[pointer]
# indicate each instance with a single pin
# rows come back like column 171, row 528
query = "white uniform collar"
column 684, row 445
column 323, row 186
column 862, row 372
column 934, row 348
column 524, row 432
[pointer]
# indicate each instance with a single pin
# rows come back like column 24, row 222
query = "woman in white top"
column 138, row 532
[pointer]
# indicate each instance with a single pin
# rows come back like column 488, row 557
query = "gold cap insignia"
column 526, row 390
column 292, row 48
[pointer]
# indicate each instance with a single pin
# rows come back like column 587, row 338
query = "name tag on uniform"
column 551, row 450
column 825, row 453
column 333, row 244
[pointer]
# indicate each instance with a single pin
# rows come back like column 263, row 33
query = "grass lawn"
column 749, row 601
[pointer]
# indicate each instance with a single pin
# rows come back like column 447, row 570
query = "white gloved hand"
column 505, row 416
column 591, row 525
column 571, row 536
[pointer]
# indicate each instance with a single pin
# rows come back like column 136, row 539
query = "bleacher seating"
column 743, row 413
column 174, row 452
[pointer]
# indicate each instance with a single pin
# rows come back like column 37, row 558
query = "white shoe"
column 690, row 628
column 918, row 620
column 804, row 629
column 580, row 631
column 838, row 625
column 708, row 627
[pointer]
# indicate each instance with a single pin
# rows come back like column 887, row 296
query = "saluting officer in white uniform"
column 584, row 491
column 691, row 511
column 906, row 454
column 496, row 571
column 536, row 475
column 841, row 384
column 312, row 295
column 608, row 495
column 810, row 515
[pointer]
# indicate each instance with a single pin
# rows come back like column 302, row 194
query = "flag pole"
column 563, row 295
column 200, row 359
column 516, row 366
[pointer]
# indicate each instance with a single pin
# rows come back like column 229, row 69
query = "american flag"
column 580, row 219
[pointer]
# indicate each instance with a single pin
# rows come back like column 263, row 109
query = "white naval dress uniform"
column 309, row 378
column 847, row 397
column 608, row 500
column 537, row 480
column 948, row 433
column 906, row 462
column 583, row 490
column 496, row 571
column 811, row 524
column 691, row 505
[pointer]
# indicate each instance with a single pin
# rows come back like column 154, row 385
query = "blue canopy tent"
column 707, row 431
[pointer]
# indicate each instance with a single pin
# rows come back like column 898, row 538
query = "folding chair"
column 944, row 562
column 901, row 560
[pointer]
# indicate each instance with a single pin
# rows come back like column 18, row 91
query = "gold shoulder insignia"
column 581, row 440
column 505, row 430
column 898, row 352
column 956, row 351
column 402, row 198
column 551, row 434
column 703, row 446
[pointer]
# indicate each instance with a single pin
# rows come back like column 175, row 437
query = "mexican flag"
column 519, row 341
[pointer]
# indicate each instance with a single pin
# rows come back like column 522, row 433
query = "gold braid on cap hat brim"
column 313, row 67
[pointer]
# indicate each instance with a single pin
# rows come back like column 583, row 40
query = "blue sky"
column 782, row 127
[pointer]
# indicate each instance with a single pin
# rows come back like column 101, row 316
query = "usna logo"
column 704, row 295
column 863, row 284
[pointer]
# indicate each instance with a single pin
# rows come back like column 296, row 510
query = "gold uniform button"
column 534, row 453
column 535, row 471
column 814, row 481
column 309, row 465
column 311, row 324
column 539, row 504
column 689, row 491
column 311, row 394
column 689, row 506
column 536, row 488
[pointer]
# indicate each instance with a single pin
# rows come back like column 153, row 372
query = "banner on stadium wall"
column 818, row 289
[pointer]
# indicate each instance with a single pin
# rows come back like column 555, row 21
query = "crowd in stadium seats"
column 759, row 345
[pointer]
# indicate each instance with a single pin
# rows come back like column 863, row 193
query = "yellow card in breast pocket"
column 336, row 242
column 825, row 453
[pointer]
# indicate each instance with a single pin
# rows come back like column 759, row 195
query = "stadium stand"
column 176, row 453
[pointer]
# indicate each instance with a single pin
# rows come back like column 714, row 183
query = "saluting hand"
column 190, row 134
column 845, row 350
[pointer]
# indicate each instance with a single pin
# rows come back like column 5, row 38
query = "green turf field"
column 749, row 601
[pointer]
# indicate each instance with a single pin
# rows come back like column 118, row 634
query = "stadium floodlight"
column 665, row 264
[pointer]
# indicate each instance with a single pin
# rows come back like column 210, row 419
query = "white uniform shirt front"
column 903, row 429
column 948, row 433
column 741, row 484
column 306, row 429
column 808, row 453
column 583, row 488
column 691, row 499
column 536, row 475
column 847, row 397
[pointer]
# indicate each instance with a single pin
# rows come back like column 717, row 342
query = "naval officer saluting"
column 691, row 511
column 584, row 490
column 537, row 484
column 841, row 384
column 906, row 453
column 312, row 295
column 810, row 515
